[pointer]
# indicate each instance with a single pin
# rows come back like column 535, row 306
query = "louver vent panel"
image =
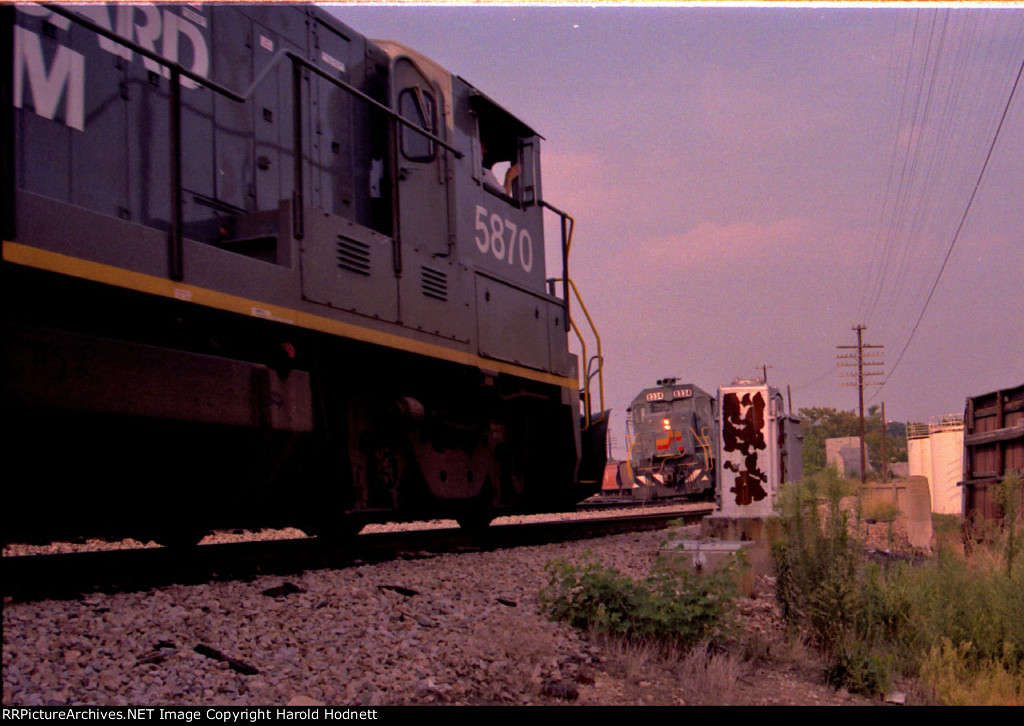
column 435, row 284
column 353, row 256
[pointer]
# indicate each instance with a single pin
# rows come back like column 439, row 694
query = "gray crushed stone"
column 453, row 629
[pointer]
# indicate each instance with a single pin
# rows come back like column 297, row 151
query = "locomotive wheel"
column 338, row 529
column 179, row 539
column 475, row 521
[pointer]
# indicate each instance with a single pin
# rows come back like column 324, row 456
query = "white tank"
column 947, row 471
column 939, row 456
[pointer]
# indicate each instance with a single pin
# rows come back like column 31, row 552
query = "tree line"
column 829, row 423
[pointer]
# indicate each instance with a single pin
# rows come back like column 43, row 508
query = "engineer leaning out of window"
column 490, row 180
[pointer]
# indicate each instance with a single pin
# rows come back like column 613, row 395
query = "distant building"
column 936, row 451
column 844, row 454
column 898, row 469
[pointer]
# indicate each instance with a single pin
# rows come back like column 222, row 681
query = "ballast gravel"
column 448, row 629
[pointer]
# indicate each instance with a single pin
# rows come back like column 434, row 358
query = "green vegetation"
column 948, row 627
column 817, row 557
column 1009, row 501
column 955, row 622
column 669, row 607
column 828, row 423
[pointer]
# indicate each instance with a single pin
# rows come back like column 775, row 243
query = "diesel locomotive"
column 259, row 270
column 673, row 445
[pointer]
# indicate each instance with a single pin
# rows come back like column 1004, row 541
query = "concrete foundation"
column 709, row 555
column 912, row 499
column 755, row 532
column 722, row 538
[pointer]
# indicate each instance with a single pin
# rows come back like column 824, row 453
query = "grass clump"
column 958, row 679
column 954, row 622
column 1008, row 497
column 668, row 607
column 819, row 586
column 817, row 557
column 859, row 669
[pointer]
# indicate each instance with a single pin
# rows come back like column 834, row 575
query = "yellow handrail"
column 705, row 444
column 629, row 461
column 568, row 227
column 586, row 396
column 583, row 345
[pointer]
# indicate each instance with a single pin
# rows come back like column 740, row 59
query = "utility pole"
column 885, row 461
column 860, row 375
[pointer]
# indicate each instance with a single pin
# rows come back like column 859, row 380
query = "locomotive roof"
column 491, row 112
column 395, row 48
column 487, row 108
column 641, row 396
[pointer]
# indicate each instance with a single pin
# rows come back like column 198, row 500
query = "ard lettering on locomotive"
column 259, row 271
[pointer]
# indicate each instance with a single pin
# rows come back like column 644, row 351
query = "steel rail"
column 68, row 576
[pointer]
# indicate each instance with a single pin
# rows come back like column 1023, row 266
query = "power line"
column 963, row 220
column 808, row 385
column 939, row 130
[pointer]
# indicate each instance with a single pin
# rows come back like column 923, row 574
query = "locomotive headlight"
column 666, row 424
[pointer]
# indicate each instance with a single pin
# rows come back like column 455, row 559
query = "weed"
column 880, row 510
column 679, row 529
column 1007, row 494
column 957, row 680
column 816, row 558
column 705, row 671
column 858, row 669
column 667, row 607
column 951, row 620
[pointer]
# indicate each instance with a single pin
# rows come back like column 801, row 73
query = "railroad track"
column 63, row 576
column 611, row 502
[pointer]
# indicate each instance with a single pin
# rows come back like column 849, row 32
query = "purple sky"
column 751, row 182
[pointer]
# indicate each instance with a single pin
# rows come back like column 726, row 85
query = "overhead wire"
column 944, row 65
column 933, row 135
column 879, row 249
column 816, row 380
column 907, row 140
column 903, row 226
column 932, row 159
column 960, row 226
column 957, row 140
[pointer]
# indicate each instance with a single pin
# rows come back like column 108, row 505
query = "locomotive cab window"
column 419, row 108
column 506, row 150
column 500, row 166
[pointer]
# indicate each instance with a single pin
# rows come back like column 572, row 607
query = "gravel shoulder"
column 461, row 629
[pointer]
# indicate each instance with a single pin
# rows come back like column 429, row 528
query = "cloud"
column 714, row 243
column 576, row 175
column 738, row 105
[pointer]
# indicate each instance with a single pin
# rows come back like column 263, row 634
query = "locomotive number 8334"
column 261, row 271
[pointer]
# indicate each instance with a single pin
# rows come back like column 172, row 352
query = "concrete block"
column 756, row 531
column 708, row 555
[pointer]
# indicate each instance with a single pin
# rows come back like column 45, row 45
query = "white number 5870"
column 491, row 238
